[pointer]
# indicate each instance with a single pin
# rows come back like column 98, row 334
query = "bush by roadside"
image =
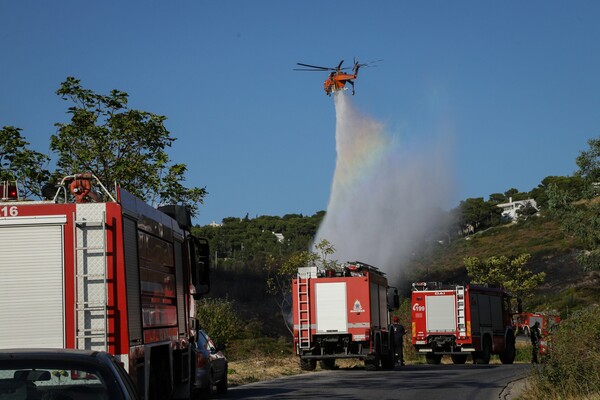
column 572, row 370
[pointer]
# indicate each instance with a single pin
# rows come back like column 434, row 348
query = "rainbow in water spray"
column 382, row 198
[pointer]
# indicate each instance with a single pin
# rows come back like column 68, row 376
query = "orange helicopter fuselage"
column 337, row 81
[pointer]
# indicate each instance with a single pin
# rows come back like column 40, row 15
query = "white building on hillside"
column 509, row 210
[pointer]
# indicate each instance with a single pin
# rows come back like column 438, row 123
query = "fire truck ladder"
column 91, row 316
column 303, row 311
column 460, row 311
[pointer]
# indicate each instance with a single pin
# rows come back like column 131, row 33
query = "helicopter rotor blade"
column 312, row 70
column 315, row 66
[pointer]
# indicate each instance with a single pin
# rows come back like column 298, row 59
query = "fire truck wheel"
column 327, row 363
column 433, row 358
column 372, row 363
column 459, row 358
column 508, row 355
column 483, row 356
column 387, row 362
column 308, row 364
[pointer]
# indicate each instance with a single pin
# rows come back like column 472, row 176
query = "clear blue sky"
column 514, row 83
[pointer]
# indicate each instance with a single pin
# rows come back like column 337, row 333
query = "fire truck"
column 103, row 273
column 523, row 322
column 343, row 314
column 460, row 321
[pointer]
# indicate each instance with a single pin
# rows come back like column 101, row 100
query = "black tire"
column 327, row 363
column 372, row 363
column 483, row 356
column 459, row 358
column 508, row 355
column 433, row 359
column 308, row 364
column 222, row 385
column 388, row 362
column 207, row 391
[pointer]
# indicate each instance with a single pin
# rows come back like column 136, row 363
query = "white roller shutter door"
column 31, row 295
column 331, row 307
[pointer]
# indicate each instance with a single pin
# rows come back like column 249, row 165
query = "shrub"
column 572, row 370
column 218, row 317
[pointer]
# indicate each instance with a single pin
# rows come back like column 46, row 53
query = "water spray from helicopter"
column 384, row 193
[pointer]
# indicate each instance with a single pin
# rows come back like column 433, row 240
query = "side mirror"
column 393, row 299
column 200, row 253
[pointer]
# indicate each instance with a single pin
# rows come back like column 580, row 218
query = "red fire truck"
column 523, row 322
column 103, row 273
column 461, row 321
column 343, row 314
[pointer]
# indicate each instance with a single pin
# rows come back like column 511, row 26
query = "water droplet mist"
column 383, row 194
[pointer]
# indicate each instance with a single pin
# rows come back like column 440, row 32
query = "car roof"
column 51, row 354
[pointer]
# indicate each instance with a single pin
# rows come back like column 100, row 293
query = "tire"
column 372, row 363
column 459, row 358
column 508, row 355
column 483, row 356
column 222, row 385
column 308, row 364
column 327, row 363
column 433, row 359
column 388, row 362
column 207, row 391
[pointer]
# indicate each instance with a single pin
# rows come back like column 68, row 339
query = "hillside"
column 567, row 285
column 566, row 288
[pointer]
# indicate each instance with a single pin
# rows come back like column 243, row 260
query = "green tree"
column 219, row 318
column 570, row 187
column 580, row 217
column 281, row 271
column 477, row 214
column 121, row 145
column 18, row 162
column 498, row 198
column 589, row 167
column 510, row 272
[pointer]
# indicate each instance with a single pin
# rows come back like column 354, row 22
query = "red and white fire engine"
column 103, row 273
column 523, row 322
column 343, row 314
column 461, row 321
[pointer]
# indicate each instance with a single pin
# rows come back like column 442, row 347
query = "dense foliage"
column 579, row 210
column 512, row 273
column 572, row 369
column 19, row 163
column 220, row 319
column 120, row 145
column 247, row 242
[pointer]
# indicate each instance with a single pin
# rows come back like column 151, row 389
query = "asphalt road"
column 421, row 382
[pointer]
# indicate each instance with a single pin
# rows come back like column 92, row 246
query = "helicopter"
column 337, row 78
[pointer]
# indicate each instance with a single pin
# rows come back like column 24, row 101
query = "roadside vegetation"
column 572, row 369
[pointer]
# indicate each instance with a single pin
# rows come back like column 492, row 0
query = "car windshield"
column 50, row 381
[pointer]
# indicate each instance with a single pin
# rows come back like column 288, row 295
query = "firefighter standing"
column 399, row 333
column 536, row 337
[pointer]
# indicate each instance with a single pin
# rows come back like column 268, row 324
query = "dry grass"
column 265, row 368
column 261, row 369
